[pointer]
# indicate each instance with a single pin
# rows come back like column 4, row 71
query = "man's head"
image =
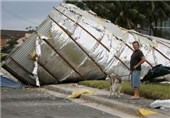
column 135, row 45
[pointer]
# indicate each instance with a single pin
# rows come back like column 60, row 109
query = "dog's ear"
column 112, row 75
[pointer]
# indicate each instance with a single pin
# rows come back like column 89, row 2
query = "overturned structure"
column 74, row 45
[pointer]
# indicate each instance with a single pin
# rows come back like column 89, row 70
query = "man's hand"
column 135, row 66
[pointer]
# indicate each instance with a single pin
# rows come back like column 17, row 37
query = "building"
column 23, row 39
column 15, row 37
column 7, row 35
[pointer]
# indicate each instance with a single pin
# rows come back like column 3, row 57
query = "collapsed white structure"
column 78, row 45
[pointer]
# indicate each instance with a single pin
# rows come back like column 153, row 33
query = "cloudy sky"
column 19, row 14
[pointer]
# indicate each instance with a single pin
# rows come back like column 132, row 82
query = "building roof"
column 13, row 33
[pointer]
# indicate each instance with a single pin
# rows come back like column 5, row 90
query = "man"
column 137, row 58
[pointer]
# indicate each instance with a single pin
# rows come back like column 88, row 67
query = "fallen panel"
column 76, row 45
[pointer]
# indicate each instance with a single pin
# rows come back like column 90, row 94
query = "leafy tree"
column 154, row 11
column 11, row 44
column 31, row 29
column 122, row 13
column 130, row 14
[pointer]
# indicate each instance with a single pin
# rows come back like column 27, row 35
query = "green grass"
column 150, row 91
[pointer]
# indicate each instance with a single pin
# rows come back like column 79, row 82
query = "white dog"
column 115, row 85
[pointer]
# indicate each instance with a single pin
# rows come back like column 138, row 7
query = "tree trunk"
column 155, row 33
column 150, row 27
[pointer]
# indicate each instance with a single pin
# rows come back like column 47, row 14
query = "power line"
column 9, row 12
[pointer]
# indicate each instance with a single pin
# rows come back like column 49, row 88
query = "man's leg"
column 136, row 93
column 135, row 79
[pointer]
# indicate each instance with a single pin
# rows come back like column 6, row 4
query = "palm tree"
column 30, row 28
column 130, row 14
column 122, row 13
column 127, row 15
column 154, row 11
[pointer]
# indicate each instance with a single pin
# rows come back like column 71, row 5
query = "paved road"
column 30, row 103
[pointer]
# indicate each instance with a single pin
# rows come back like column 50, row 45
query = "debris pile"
column 78, row 45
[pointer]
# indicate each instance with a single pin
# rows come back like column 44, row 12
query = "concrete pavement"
column 35, row 103
column 133, row 107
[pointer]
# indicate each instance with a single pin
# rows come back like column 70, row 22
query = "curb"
column 125, row 107
column 146, row 113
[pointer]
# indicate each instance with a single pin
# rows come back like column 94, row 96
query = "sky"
column 20, row 14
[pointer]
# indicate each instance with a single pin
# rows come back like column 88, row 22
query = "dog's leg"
column 119, row 90
column 111, row 90
column 114, row 93
column 114, row 88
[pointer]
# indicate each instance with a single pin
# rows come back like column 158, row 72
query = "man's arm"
column 141, row 62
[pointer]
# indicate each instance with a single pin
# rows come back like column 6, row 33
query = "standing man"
column 137, row 58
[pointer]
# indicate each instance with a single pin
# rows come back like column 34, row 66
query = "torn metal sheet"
column 77, row 45
column 162, row 104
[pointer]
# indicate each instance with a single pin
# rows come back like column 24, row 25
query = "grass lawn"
column 150, row 90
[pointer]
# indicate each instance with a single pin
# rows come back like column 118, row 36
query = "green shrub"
column 3, row 56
